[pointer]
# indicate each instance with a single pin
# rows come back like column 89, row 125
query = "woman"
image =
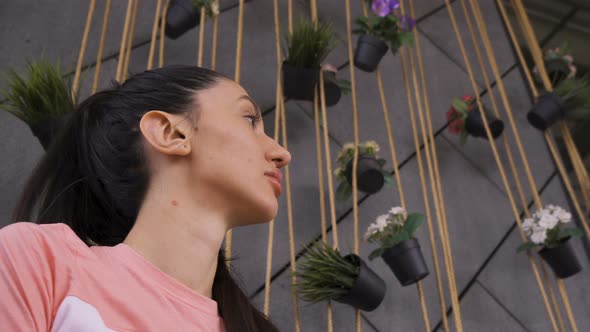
column 139, row 192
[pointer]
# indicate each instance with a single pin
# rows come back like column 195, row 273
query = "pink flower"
column 456, row 127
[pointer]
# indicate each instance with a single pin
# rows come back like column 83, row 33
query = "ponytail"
column 94, row 175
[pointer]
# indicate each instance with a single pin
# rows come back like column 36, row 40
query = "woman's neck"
column 180, row 239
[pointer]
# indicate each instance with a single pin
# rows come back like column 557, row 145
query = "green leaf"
column 525, row 246
column 381, row 162
column 573, row 232
column 308, row 45
column 459, row 105
column 413, row 222
column 344, row 191
column 389, row 180
column 376, row 253
column 463, row 137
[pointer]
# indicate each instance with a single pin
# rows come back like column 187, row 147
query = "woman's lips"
column 276, row 184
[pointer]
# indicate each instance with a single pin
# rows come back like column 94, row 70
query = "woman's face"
column 235, row 165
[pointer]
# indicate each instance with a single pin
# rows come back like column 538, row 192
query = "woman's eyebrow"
column 248, row 98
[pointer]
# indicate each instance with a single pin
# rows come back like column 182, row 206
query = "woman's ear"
column 167, row 133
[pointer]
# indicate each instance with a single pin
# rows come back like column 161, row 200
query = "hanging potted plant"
column 570, row 98
column 42, row 98
column 545, row 231
column 370, row 173
column 465, row 119
column 307, row 47
column 559, row 64
column 394, row 233
column 326, row 275
column 183, row 15
column 380, row 31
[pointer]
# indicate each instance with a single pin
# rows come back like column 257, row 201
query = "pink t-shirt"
column 51, row 281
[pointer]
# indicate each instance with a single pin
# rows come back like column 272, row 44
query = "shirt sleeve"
column 35, row 273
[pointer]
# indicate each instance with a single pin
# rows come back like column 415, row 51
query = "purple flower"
column 407, row 23
column 384, row 7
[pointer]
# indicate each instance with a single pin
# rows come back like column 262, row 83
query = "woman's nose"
column 279, row 155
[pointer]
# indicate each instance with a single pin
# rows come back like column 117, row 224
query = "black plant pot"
column 557, row 69
column 369, row 174
column 475, row 127
column 562, row 259
column 299, row 83
column 369, row 52
column 368, row 290
column 47, row 130
column 549, row 109
column 332, row 91
column 181, row 17
column 406, row 261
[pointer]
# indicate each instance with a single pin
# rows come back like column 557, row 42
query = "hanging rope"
column 355, row 209
column 499, row 164
column 437, row 195
column 123, row 47
column 281, row 117
column 401, row 193
column 508, row 150
column 487, row 44
column 214, row 44
column 78, row 72
column 163, row 34
column 228, row 237
column 103, row 33
column 548, row 138
column 130, row 41
column 509, row 153
column 157, row 17
column 201, row 36
column 579, row 169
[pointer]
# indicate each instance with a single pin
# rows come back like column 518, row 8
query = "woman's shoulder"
column 46, row 239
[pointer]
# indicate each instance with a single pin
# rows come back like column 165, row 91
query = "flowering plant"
column 457, row 115
column 211, row 6
column 544, row 228
column 345, row 156
column 559, row 53
column 386, row 25
column 392, row 228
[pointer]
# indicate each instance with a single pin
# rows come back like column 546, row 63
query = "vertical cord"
column 509, row 155
column 499, row 163
column 163, row 34
column 536, row 53
column 355, row 211
column 201, row 36
column 436, row 188
column 403, row 199
column 130, row 41
column 228, row 237
column 76, row 83
column 150, row 63
column 103, row 33
column 123, row 47
column 214, row 45
column 283, row 128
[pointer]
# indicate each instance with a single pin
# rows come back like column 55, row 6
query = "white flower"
column 397, row 210
column 563, row 216
column 372, row 229
column 548, row 221
column 372, row 145
column 347, row 146
column 527, row 225
column 539, row 237
column 381, row 222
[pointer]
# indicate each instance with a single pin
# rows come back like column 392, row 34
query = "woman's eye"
column 253, row 118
